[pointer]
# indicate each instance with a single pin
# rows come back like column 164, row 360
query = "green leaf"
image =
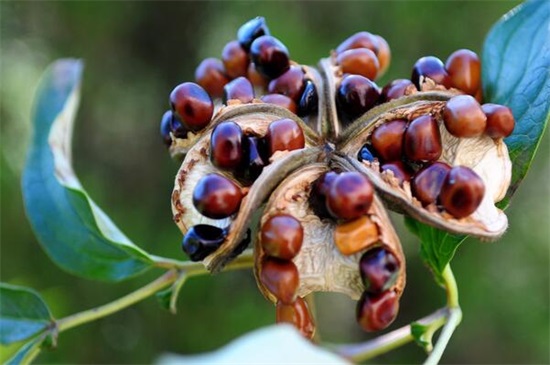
column 73, row 230
column 278, row 344
column 23, row 314
column 516, row 73
column 27, row 352
column 437, row 247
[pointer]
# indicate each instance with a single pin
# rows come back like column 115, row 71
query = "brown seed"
column 270, row 56
column 427, row 183
column 356, row 95
column 387, row 140
column 216, row 196
column 384, row 56
column 280, row 100
column 464, row 71
column 297, row 314
column 210, row 74
column 192, row 105
column 500, row 120
column 280, row 278
column 422, row 140
column 462, row 192
column 323, row 184
column 359, row 61
column 359, row 40
column 255, row 77
column 430, row 67
column 377, row 311
column 238, row 89
column 235, row 60
column 355, row 236
column 464, row 117
column 401, row 172
column 291, row 83
column 281, row 236
column 396, row 89
column 350, row 196
column 226, row 145
column 284, row 135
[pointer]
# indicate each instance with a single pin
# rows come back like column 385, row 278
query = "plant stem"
column 244, row 260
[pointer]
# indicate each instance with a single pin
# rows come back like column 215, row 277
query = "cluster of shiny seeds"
column 348, row 198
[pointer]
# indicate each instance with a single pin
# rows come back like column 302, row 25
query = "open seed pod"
column 328, row 255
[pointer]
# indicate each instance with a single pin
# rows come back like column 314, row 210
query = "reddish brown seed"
column 284, row 135
column 464, row 117
column 226, row 150
column 238, row 89
column 356, row 95
column 422, row 140
column 270, row 56
column 281, row 236
column 396, row 89
column 377, row 311
column 430, row 67
column 255, row 77
column 280, row 278
column 387, row 140
column 210, row 74
column 280, row 100
column 323, row 184
column 384, row 56
column 359, row 61
column 401, row 172
column 500, row 120
column 350, row 196
column 235, row 60
column 192, row 104
column 427, row 183
column 464, row 70
column 291, row 83
column 378, row 268
column 216, row 196
column 297, row 314
column 359, row 40
column 462, row 192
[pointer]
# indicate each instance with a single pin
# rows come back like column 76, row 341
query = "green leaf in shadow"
column 73, row 230
column 516, row 73
column 23, row 314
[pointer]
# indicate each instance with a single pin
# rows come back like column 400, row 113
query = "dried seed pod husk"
column 254, row 120
column 488, row 157
column 321, row 266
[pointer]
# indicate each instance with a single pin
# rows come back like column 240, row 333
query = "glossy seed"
column 255, row 159
column 280, row 278
column 384, row 56
column 354, row 236
column 226, row 147
column 464, row 117
column 235, row 60
column 239, row 89
column 396, row 89
column 280, row 100
column 426, row 184
column 387, row 140
column 255, row 77
column 359, row 40
column 359, row 61
column 422, row 140
column 291, row 83
column 270, row 56
column 216, row 196
column 500, row 120
column 210, row 74
column 462, row 192
column 365, row 153
column 400, row 171
column 192, row 104
column 281, row 236
column 355, row 96
column 179, row 130
column 202, row 240
column 464, row 70
column 165, row 123
column 378, row 268
column 309, row 100
column 251, row 30
column 377, row 311
column 284, row 135
column 297, row 314
column 350, row 196
column 430, row 67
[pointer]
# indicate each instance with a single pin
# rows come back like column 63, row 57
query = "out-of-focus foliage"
column 135, row 52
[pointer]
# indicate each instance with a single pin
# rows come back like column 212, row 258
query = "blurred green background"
column 135, row 53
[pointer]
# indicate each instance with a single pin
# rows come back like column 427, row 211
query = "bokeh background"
column 135, row 53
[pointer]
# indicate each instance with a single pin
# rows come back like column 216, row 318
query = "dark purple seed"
column 356, row 95
column 270, row 56
column 179, row 130
column 226, row 145
column 396, row 89
column 378, row 268
column 255, row 152
column 309, row 100
column 291, row 83
column 239, row 89
column 165, row 127
column 365, row 153
column 251, row 30
column 201, row 240
column 430, row 67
